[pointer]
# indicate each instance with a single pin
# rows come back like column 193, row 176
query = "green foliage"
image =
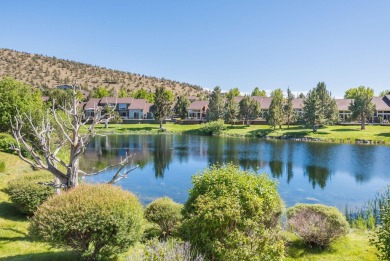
column 17, row 97
column 2, row 166
column 181, row 106
column 234, row 215
column 249, row 109
column 101, row 92
column 172, row 250
column 233, row 92
column 317, row 225
column 122, row 92
column 258, row 92
column 383, row 93
column 319, row 107
column 26, row 194
column 143, row 94
column 381, row 239
column 216, row 109
column 97, row 221
column 276, row 109
column 166, row 213
column 289, row 109
column 163, row 100
column 362, row 106
column 213, row 128
column 231, row 108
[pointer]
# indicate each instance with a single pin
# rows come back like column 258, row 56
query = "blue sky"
column 269, row 44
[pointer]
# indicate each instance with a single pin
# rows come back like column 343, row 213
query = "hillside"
column 43, row 71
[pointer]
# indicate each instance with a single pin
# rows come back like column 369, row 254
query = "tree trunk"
column 161, row 123
column 362, row 122
column 73, row 174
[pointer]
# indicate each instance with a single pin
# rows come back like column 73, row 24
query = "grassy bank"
column 15, row 244
column 337, row 134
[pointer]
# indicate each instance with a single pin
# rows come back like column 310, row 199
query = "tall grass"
column 368, row 216
column 2, row 166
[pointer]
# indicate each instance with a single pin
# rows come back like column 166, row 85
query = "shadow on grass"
column 345, row 130
column 137, row 129
column 9, row 211
column 260, row 133
column 298, row 249
column 237, row 127
column 52, row 256
column 383, row 134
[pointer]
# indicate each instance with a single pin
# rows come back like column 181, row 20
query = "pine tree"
column 288, row 108
column 163, row 104
column 249, row 109
column 276, row 109
column 216, row 105
column 181, row 106
column 231, row 108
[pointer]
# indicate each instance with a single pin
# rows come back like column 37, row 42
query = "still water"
column 331, row 174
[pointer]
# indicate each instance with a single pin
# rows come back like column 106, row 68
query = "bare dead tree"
column 62, row 129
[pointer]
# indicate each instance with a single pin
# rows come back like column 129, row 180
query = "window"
column 122, row 106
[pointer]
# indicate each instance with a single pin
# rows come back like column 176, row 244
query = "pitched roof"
column 114, row 100
column 381, row 103
column 137, row 104
column 297, row 103
column 343, row 104
column 92, row 104
column 198, row 105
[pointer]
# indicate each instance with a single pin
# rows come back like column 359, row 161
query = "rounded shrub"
column 213, row 128
column 26, row 194
column 97, row 221
column 165, row 213
column 317, row 225
column 234, row 215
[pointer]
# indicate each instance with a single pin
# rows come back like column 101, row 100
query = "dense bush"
column 381, row 240
column 213, row 128
column 27, row 194
column 97, row 221
column 316, row 224
column 166, row 213
column 234, row 215
column 156, row 250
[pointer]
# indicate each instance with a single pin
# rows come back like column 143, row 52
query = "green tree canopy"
column 216, row 105
column 101, row 92
column 276, row 109
column 231, row 108
column 383, row 93
column 362, row 106
column 319, row 107
column 233, row 92
column 163, row 104
column 122, row 92
column 181, row 106
column 258, row 92
column 17, row 97
column 249, row 109
column 288, row 108
column 143, row 94
column 350, row 93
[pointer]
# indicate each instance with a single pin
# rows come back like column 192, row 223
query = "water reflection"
column 299, row 167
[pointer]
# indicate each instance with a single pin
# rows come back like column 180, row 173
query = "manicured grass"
column 338, row 134
column 354, row 246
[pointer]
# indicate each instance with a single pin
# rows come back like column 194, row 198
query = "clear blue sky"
column 269, row 44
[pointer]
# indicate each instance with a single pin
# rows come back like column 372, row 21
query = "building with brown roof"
column 197, row 110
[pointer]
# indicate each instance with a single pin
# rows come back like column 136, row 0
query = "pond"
column 331, row 174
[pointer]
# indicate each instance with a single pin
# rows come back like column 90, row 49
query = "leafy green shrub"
column 234, row 215
column 213, row 128
column 381, row 239
column 316, row 224
column 166, row 213
column 27, row 194
column 173, row 249
column 2, row 166
column 97, row 221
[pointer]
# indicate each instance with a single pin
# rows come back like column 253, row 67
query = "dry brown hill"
column 43, row 71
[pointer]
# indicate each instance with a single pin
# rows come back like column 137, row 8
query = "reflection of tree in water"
column 317, row 175
column 290, row 173
column 215, row 151
column 162, row 154
column 181, row 148
column 276, row 168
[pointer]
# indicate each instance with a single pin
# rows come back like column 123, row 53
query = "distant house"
column 197, row 110
column 382, row 109
column 128, row 108
column 343, row 108
column 192, row 98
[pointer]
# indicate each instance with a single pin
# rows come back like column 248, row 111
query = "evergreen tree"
column 258, row 92
column 181, row 106
column 163, row 104
column 234, row 92
column 383, row 93
column 319, row 107
column 362, row 106
column 276, row 109
column 231, row 108
column 288, row 108
column 249, row 109
column 216, row 105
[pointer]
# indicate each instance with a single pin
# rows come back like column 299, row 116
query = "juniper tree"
column 231, row 108
column 181, row 106
column 249, row 109
column 163, row 101
column 288, row 108
column 276, row 109
column 216, row 109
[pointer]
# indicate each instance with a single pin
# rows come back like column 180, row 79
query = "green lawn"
column 338, row 134
column 15, row 244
